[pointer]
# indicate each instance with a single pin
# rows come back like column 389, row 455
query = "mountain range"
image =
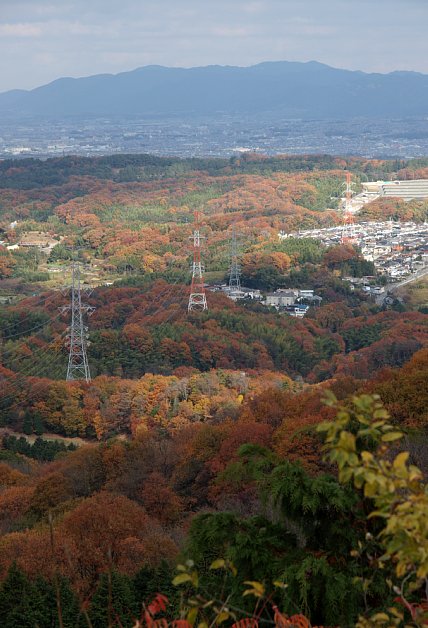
column 291, row 89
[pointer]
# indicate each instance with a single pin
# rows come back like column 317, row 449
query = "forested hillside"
column 197, row 442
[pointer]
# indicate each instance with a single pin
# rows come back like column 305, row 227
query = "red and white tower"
column 348, row 229
column 197, row 298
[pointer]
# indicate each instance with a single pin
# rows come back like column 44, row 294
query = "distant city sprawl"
column 223, row 135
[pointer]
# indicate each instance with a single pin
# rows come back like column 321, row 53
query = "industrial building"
column 407, row 190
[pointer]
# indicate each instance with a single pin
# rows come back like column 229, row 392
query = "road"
column 414, row 277
column 79, row 442
column 392, row 287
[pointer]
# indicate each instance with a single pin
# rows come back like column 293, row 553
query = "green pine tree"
column 26, row 604
column 38, row 424
column 27, row 424
column 150, row 581
column 19, row 601
column 49, row 612
column 113, row 603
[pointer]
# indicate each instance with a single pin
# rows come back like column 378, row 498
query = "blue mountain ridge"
column 293, row 89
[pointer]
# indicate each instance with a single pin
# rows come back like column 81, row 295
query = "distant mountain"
column 304, row 90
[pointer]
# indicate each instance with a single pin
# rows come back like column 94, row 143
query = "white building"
column 281, row 298
column 306, row 294
column 407, row 190
column 298, row 311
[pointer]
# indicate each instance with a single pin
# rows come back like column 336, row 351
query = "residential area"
column 397, row 249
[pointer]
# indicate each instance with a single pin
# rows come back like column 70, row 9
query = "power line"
column 25, row 318
column 27, row 331
column 17, row 381
column 9, row 354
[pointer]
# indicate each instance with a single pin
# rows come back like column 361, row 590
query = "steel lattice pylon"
column 78, row 366
column 197, row 297
column 235, row 269
column 348, row 228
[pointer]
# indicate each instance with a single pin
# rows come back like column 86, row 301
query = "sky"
column 41, row 40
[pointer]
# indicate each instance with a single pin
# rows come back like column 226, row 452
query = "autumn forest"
column 235, row 466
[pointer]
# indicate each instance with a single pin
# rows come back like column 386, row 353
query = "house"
column 39, row 239
column 306, row 294
column 281, row 298
column 251, row 293
column 314, row 299
column 297, row 310
column 377, row 289
column 243, row 293
column 293, row 300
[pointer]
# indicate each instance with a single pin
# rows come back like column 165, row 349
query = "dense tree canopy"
column 197, row 439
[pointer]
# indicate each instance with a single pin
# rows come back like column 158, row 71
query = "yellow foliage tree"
column 359, row 441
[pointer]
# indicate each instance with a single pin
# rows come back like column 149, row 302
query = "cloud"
column 20, row 30
column 254, row 7
column 232, row 31
column 90, row 30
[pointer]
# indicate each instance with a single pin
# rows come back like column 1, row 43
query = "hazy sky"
column 41, row 40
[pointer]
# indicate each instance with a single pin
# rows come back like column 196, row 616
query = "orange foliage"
column 15, row 501
column 102, row 531
column 159, row 500
column 10, row 477
column 236, row 435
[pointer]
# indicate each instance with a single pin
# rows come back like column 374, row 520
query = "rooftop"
column 407, row 190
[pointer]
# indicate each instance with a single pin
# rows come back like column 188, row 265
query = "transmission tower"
column 235, row 268
column 78, row 366
column 197, row 298
column 348, row 227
